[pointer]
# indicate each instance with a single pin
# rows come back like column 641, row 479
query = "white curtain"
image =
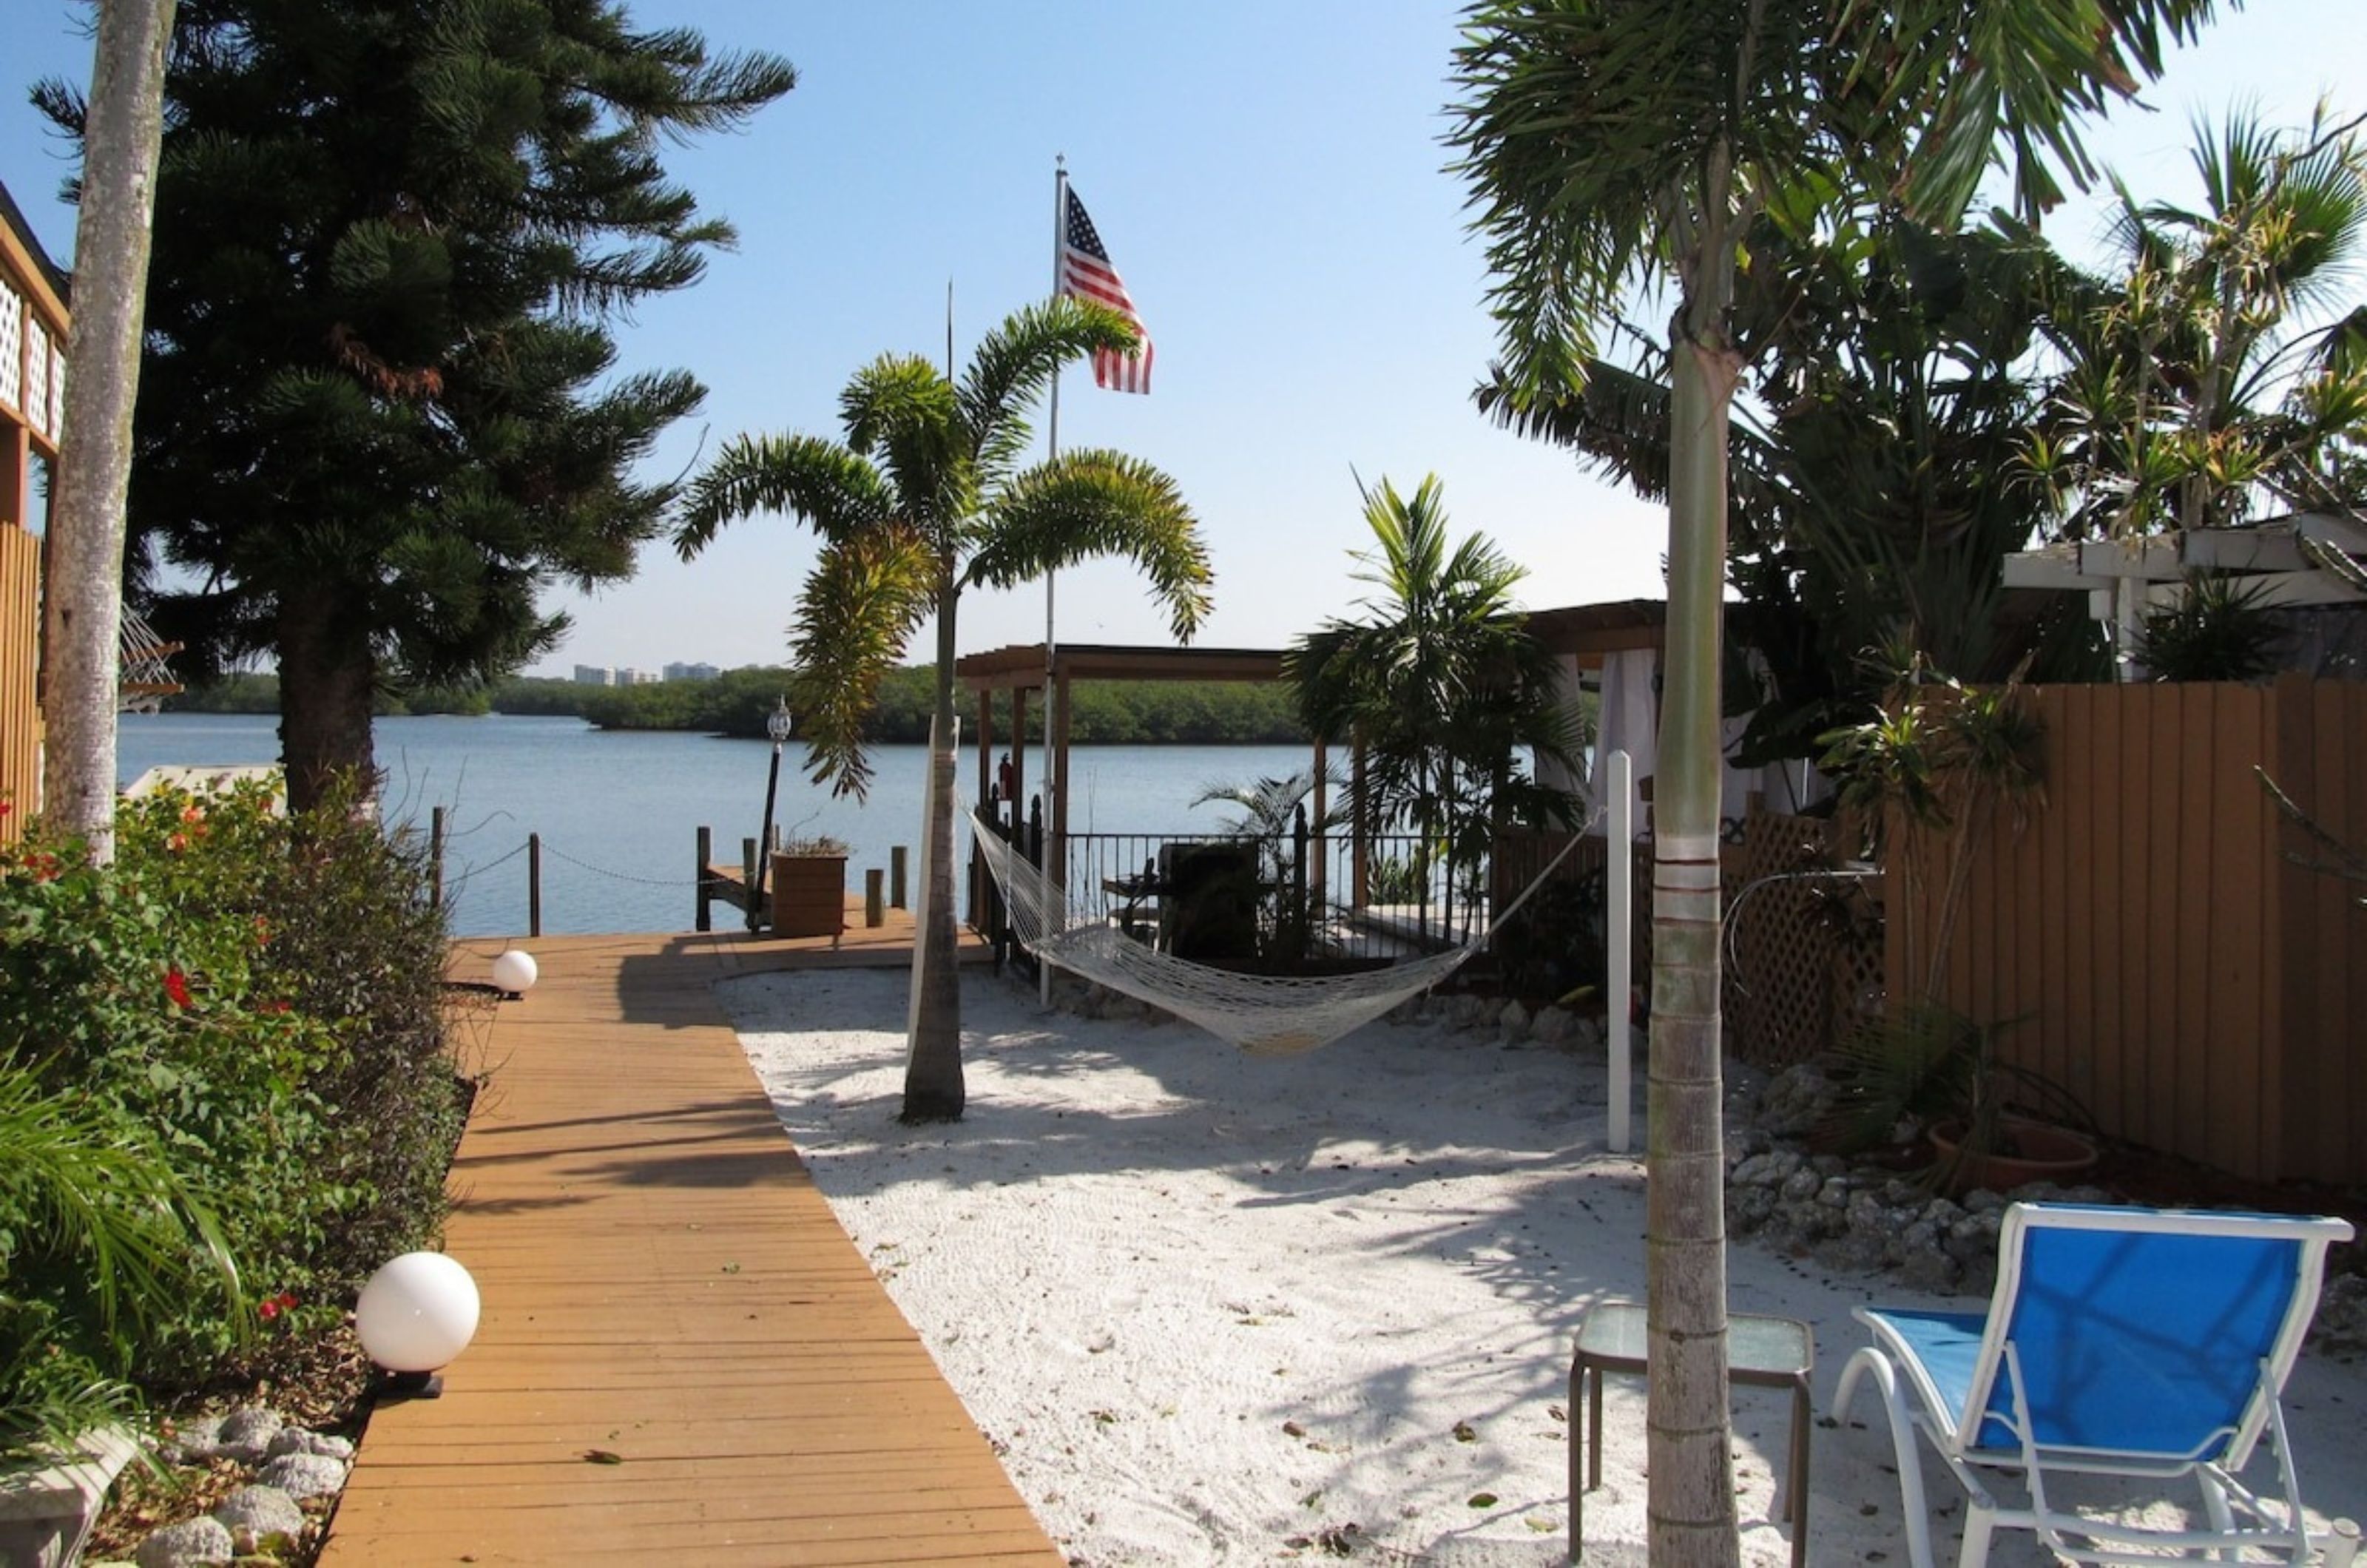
column 1631, row 720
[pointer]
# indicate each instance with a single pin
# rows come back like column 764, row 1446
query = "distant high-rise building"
column 595, row 675
column 691, row 671
column 628, row 676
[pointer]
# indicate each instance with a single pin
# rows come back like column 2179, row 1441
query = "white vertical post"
column 1618, row 985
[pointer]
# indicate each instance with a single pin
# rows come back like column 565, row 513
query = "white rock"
column 193, row 1543
column 304, row 1475
column 253, row 1514
column 246, row 1433
column 296, row 1440
column 193, row 1437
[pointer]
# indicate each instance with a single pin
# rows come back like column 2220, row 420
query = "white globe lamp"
column 415, row 1315
column 515, row 972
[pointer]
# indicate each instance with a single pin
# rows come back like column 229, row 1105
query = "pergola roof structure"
column 1023, row 668
column 2314, row 559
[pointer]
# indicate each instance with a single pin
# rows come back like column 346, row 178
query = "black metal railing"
column 1296, row 902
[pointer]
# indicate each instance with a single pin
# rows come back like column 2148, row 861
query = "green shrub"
column 258, row 998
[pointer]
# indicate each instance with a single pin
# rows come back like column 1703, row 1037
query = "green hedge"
column 1114, row 713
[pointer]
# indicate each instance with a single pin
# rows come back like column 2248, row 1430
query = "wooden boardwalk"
column 682, row 1358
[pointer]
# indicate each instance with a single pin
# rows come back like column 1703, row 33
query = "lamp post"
column 776, row 725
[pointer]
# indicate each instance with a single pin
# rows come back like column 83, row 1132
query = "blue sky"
column 1268, row 180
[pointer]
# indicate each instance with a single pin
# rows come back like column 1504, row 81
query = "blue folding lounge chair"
column 2119, row 1341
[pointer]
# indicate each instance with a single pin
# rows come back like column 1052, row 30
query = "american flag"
column 1087, row 272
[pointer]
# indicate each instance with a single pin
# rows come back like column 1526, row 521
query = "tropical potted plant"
column 1929, row 1076
column 809, row 887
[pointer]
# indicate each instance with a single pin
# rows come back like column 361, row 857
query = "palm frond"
column 1015, row 364
column 96, row 1189
column 901, row 411
column 1091, row 504
column 856, row 614
column 836, row 492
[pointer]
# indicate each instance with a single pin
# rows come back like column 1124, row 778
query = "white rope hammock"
column 144, row 678
column 1266, row 1015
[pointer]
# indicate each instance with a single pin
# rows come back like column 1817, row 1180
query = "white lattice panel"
column 36, row 400
column 12, row 346
column 56, row 389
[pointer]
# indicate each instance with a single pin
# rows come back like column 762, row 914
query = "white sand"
column 1211, row 1307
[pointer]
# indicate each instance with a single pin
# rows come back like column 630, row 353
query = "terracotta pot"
column 2026, row 1151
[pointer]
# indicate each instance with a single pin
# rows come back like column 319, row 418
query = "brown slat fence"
column 20, row 718
column 2147, row 937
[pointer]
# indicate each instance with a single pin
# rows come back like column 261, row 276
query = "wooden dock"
column 682, row 1358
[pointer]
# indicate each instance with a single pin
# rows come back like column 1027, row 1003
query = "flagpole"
column 1052, row 820
column 1060, row 216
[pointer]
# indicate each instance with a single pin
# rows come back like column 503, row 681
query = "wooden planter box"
column 808, row 894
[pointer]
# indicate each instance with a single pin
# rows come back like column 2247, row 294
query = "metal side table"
column 1762, row 1352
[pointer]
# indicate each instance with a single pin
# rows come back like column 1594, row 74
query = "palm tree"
column 2186, row 394
column 1612, row 143
column 1440, row 684
column 927, row 497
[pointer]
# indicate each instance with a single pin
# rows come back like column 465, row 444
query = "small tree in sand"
column 926, row 497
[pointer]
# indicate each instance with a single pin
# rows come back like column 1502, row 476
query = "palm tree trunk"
column 934, row 1091
column 84, row 594
column 1690, row 1457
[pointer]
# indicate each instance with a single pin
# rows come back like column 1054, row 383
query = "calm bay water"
column 618, row 811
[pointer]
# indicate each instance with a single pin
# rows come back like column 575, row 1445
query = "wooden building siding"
column 32, row 403
column 2143, row 937
column 20, row 714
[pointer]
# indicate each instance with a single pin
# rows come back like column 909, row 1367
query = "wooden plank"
column 20, row 716
column 2238, row 847
column 2021, row 913
column 2185, row 917
column 661, row 1282
column 2066, row 1002
column 2101, row 921
column 2337, row 1046
column 2159, row 744
column 2346, row 1046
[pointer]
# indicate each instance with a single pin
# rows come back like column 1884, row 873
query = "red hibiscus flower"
column 177, row 987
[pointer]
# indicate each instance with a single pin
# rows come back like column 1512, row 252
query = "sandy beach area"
column 1215, row 1309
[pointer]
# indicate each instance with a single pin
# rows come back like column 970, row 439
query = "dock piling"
column 705, row 878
